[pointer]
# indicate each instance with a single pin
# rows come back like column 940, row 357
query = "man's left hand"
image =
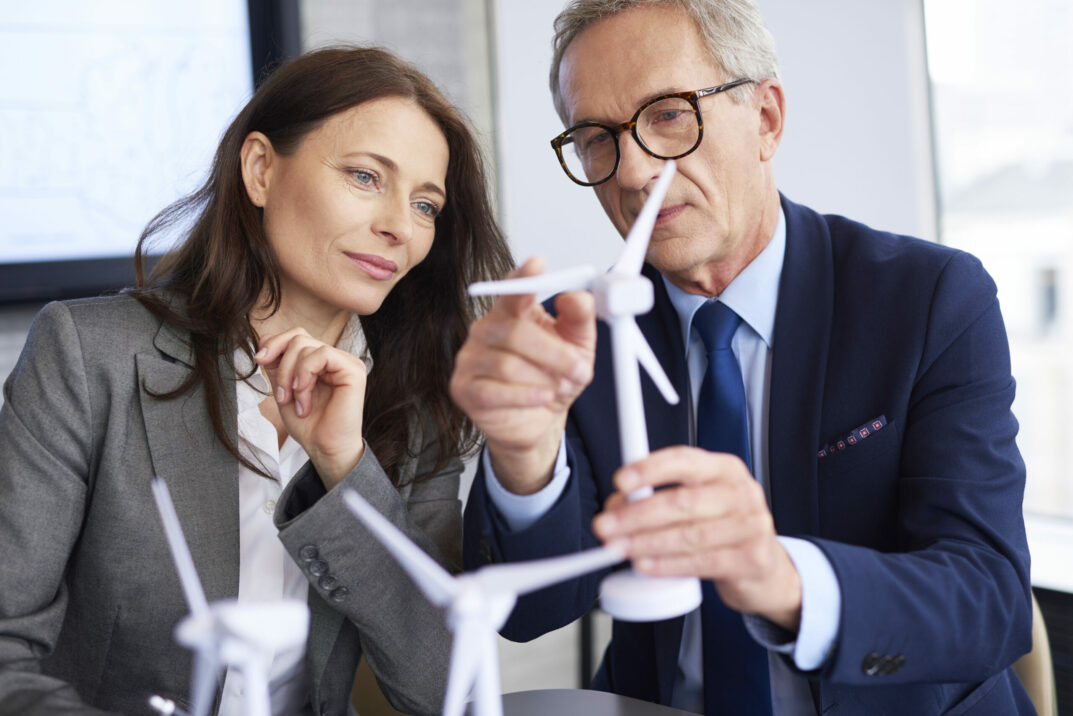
column 711, row 521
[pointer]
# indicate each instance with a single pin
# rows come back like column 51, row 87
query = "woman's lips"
column 378, row 267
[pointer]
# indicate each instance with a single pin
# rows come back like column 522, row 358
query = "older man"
column 842, row 471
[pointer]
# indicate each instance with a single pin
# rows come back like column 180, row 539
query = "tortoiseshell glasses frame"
column 677, row 148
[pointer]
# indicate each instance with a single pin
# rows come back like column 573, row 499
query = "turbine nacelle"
column 622, row 295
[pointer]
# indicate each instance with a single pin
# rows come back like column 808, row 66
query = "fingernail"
column 260, row 353
column 628, row 480
column 620, row 545
column 281, row 394
column 604, row 524
column 294, row 383
column 299, row 409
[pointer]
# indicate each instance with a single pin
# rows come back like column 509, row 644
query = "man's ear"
column 771, row 103
column 256, row 159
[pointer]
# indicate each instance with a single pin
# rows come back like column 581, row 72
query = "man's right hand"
column 517, row 374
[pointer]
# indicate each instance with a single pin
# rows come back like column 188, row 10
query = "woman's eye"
column 364, row 177
column 427, row 208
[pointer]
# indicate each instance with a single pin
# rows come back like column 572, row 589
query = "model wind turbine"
column 621, row 294
column 226, row 634
column 478, row 603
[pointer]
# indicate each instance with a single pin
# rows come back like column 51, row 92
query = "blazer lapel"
column 201, row 474
column 799, row 360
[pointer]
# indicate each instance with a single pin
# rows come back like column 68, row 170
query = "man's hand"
column 711, row 522
column 517, row 374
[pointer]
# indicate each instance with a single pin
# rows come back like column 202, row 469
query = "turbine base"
column 634, row 597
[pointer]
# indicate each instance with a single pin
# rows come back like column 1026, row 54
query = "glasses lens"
column 668, row 128
column 590, row 154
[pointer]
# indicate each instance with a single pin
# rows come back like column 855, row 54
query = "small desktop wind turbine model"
column 477, row 603
column 621, row 294
column 226, row 634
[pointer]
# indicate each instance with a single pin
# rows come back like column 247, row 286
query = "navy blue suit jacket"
column 921, row 520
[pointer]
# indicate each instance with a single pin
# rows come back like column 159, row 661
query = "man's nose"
column 636, row 167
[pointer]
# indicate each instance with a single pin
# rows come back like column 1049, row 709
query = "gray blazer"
column 89, row 595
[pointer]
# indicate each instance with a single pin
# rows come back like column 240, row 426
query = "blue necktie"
column 736, row 680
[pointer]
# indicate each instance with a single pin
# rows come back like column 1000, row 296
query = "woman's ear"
column 256, row 161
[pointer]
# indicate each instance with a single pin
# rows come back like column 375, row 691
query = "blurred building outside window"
column 1002, row 93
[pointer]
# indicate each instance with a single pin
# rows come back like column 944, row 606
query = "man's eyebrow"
column 392, row 166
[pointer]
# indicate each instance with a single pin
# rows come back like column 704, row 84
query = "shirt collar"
column 753, row 294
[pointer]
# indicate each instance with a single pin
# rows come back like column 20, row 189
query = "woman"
column 344, row 215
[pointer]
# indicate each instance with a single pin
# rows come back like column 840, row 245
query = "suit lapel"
column 200, row 473
column 799, row 361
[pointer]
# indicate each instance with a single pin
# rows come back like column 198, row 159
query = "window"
column 1002, row 83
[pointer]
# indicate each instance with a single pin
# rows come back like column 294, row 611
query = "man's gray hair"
column 733, row 31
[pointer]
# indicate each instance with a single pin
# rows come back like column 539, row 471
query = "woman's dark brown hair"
column 224, row 267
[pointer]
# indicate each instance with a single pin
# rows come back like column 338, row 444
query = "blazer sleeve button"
column 308, row 553
column 339, row 594
column 328, row 582
column 870, row 665
column 485, row 550
column 318, row 568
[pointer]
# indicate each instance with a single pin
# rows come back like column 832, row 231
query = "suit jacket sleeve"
column 562, row 530
column 404, row 638
column 947, row 596
column 45, row 455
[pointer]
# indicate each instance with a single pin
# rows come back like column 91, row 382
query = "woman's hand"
column 320, row 391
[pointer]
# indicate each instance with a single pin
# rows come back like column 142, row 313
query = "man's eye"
column 669, row 115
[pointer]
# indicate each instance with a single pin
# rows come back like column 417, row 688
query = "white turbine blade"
column 438, row 586
column 649, row 362
column 465, row 665
column 576, row 278
column 203, row 682
column 633, row 256
column 180, row 552
column 524, row 577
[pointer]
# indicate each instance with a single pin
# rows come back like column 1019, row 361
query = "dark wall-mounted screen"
column 109, row 111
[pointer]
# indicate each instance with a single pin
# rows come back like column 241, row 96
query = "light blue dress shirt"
column 753, row 295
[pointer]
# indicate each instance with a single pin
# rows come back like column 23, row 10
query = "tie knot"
column 716, row 323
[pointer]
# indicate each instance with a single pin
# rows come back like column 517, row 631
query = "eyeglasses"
column 667, row 127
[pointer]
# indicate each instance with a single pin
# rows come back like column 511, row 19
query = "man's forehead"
column 617, row 63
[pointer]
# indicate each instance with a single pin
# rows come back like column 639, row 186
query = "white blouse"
column 266, row 572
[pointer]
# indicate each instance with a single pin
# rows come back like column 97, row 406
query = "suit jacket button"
column 318, row 568
column 308, row 553
column 870, row 665
column 899, row 662
column 339, row 594
column 328, row 582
